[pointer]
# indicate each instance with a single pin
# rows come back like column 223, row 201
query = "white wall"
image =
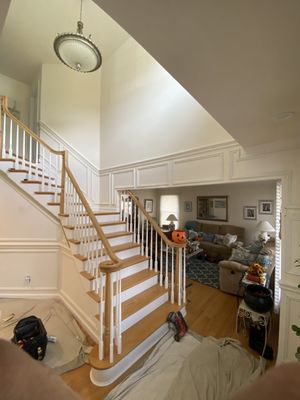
column 29, row 245
column 70, row 105
column 239, row 195
column 18, row 92
column 146, row 113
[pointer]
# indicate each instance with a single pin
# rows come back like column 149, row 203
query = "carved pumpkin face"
column 179, row 236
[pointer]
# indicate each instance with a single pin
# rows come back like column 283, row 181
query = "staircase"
column 134, row 275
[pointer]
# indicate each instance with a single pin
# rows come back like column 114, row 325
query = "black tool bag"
column 30, row 335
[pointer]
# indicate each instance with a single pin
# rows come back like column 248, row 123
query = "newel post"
column 63, row 180
column 107, row 315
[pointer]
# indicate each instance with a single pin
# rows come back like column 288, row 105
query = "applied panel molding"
column 105, row 188
column 204, row 168
column 123, row 179
column 153, row 175
column 85, row 172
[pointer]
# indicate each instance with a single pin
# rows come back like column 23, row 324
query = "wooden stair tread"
column 137, row 278
column 38, row 182
column 132, row 305
column 116, row 249
column 108, row 236
column 53, row 203
column 128, row 282
column 135, row 335
column 87, row 275
column 52, row 193
column 18, row 170
column 128, row 262
column 7, row 159
column 108, row 223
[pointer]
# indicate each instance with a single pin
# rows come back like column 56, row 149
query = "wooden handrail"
column 3, row 101
column 91, row 215
column 154, row 223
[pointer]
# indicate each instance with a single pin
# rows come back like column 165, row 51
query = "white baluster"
column 167, row 268
column 30, row 158
column 161, row 263
column 127, row 213
column 155, row 256
column 172, row 277
column 138, row 226
column 36, row 154
column 10, row 153
column 23, row 149
column 143, row 231
column 179, row 276
column 111, row 347
column 50, row 177
column 184, row 275
column 146, row 244
column 151, row 247
column 17, row 148
column 4, row 137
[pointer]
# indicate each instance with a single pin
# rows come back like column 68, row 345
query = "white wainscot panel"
column 199, row 169
column 94, row 182
column 51, row 141
column 105, row 189
column 291, row 251
column 80, row 172
column 290, row 315
column 153, row 175
column 40, row 264
column 123, row 179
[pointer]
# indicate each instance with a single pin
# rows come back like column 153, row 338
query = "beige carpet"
column 70, row 349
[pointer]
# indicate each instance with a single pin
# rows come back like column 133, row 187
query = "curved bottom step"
column 105, row 374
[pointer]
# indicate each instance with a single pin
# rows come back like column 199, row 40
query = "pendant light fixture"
column 77, row 51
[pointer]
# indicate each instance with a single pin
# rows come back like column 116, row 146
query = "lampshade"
column 77, row 51
column 265, row 226
column 172, row 218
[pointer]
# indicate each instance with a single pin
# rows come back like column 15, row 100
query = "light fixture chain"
column 80, row 18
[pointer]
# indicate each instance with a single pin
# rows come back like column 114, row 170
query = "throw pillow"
column 219, row 239
column 229, row 239
column 192, row 235
column 242, row 256
column 255, row 247
column 264, row 260
column 208, row 237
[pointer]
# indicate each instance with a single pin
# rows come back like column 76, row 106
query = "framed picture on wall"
column 265, row 206
column 148, row 204
column 187, row 206
column 249, row 212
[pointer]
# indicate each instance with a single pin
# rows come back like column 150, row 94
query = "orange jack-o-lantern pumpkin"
column 179, row 236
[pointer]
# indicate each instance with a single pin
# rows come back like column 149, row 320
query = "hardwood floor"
column 210, row 313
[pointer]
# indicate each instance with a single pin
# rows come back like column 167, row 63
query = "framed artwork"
column 265, row 206
column 188, row 206
column 148, row 204
column 249, row 212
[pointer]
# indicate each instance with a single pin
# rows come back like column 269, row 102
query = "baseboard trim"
column 20, row 294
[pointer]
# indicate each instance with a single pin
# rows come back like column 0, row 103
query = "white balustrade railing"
column 164, row 256
column 30, row 153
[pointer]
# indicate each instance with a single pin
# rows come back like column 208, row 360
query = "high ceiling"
column 239, row 58
column 31, row 26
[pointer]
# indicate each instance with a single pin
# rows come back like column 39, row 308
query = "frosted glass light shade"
column 77, row 52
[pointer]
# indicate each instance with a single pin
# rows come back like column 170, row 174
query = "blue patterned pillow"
column 192, row 235
column 255, row 247
column 242, row 256
column 264, row 260
column 208, row 237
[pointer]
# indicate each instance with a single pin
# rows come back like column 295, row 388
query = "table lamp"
column 172, row 218
column 264, row 227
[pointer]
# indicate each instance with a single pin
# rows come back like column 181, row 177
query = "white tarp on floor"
column 195, row 368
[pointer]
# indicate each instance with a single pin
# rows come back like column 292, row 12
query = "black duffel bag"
column 30, row 335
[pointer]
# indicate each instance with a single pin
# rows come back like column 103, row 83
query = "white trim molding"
column 85, row 172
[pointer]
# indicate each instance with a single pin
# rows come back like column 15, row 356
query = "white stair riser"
column 143, row 312
column 114, row 228
column 120, row 240
column 133, row 269
column 6, row 165
column 128, row 253
column 139, row 288
column 108, row 218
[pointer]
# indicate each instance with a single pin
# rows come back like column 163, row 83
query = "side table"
column 263, row 319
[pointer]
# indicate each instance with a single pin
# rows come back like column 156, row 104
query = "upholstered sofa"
column 231, row 272
column 215, row 251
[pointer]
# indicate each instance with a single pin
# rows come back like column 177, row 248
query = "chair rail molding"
column 85, row 172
